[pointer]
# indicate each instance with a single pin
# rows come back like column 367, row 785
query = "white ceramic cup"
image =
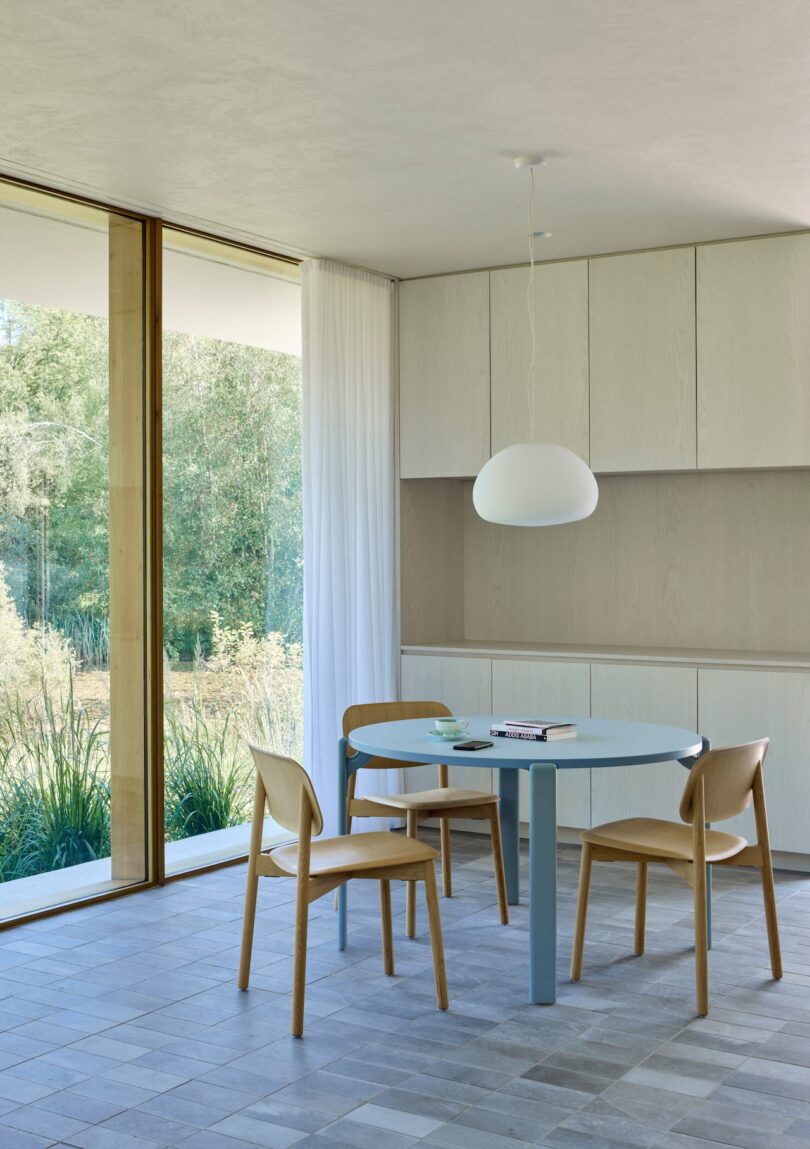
column 450, row 725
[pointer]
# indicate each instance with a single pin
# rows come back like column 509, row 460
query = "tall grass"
column 54, row 786
column 55, row 757
column 208, row 776
column 88, row 635
column 249, row 690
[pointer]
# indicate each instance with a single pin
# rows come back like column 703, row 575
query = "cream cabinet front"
column 742, row 705
column 444, row 376
column 642, row 355
column 525, row 689
column 559, row 389
column 659, row 694
column 463, row 684
column 753, row 353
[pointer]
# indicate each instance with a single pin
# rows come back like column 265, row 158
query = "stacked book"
column 533, row 729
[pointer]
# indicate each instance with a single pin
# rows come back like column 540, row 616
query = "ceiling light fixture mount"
column 534, row 484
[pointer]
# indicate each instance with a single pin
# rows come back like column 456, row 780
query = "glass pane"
column 57, row 784
column 233, row 577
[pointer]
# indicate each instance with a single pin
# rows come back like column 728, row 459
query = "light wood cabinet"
column 526, row 689
column 742, row 705
column 560, row 391
column 463, row 684
column 444, row 376
column 659, row 694
column 753, row 353
column 642, row 356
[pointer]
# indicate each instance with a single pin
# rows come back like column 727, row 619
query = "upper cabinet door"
column 753, row 301
column 560, row 392
column 642, row 343
column 444, row 376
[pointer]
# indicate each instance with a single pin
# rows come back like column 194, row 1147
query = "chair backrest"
column 369, row 713
column 728, row 778
column 283, row 780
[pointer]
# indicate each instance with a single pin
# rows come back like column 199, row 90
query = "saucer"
column 449, row 737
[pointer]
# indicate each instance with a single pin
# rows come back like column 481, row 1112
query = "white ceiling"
column 380, row 133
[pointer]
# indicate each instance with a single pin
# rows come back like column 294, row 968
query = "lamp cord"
column 530, row 307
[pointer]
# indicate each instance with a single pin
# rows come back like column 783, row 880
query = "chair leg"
column 387, row 926
column 641, row 907
column 410, row 887
column 352, row 788
column 252, row 884
column 435, row 923
column 447, row 876
column 251, row 894
column 771, row 920
column 701, row 941
column 497, row 859
column 300, row 959
column 582, row 911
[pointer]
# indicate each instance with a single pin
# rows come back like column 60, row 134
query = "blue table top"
column 599, row 742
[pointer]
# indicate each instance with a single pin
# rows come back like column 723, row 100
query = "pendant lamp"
column 534, row 484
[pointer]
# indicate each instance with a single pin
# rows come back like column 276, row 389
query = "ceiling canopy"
column 382, row 133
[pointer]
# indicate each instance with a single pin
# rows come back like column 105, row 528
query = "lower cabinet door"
column 661, row 694
column 463, row 684
column 524, row 689
column 742, row 705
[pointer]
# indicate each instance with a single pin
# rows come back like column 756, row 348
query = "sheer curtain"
column 350, row 591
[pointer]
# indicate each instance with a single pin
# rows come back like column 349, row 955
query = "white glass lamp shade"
column 535, row 485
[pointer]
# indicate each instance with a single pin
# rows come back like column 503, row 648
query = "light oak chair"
column 285, row 789
column 721, row 785
column 444, row 803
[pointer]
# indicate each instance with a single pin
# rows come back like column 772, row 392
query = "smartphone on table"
column 472, row 745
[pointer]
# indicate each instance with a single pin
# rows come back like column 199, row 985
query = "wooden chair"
column 721, row 785
column 285, row 789
column 444, row 803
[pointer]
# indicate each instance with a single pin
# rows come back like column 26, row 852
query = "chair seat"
column 443, row 799
column 353, row 852
column 659, row 839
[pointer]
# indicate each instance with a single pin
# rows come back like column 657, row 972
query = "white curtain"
column 350, row 591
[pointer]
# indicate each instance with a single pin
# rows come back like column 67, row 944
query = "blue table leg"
column 509, row 790
column 543, row 883
column 342, row 799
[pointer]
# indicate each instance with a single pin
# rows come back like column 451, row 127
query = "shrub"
column 30, row 656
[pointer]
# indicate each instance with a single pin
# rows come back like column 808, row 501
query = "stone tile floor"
column 121, row 1027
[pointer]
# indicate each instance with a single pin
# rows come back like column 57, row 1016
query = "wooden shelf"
column 665, row 656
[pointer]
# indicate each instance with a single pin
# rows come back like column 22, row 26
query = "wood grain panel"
column 706, row 561
column 741, row 705
column 431, row 559
column 663, row 694
column 128, row 791
column 547, row 689
column 642, row 349
column 754, row 353
column 444, row 375
column 560, row 392
column 463, row 684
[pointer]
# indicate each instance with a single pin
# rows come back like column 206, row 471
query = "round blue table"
column 600, row 743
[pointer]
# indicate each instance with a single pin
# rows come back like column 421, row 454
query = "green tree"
column 232, row 490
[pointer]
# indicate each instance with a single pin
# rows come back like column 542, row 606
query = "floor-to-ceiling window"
column 73, row 785
column 232, row 536
column 102, row 464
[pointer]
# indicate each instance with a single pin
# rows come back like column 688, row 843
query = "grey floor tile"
column 732, row 1125
column 121, row 1027
column 18, row 1139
